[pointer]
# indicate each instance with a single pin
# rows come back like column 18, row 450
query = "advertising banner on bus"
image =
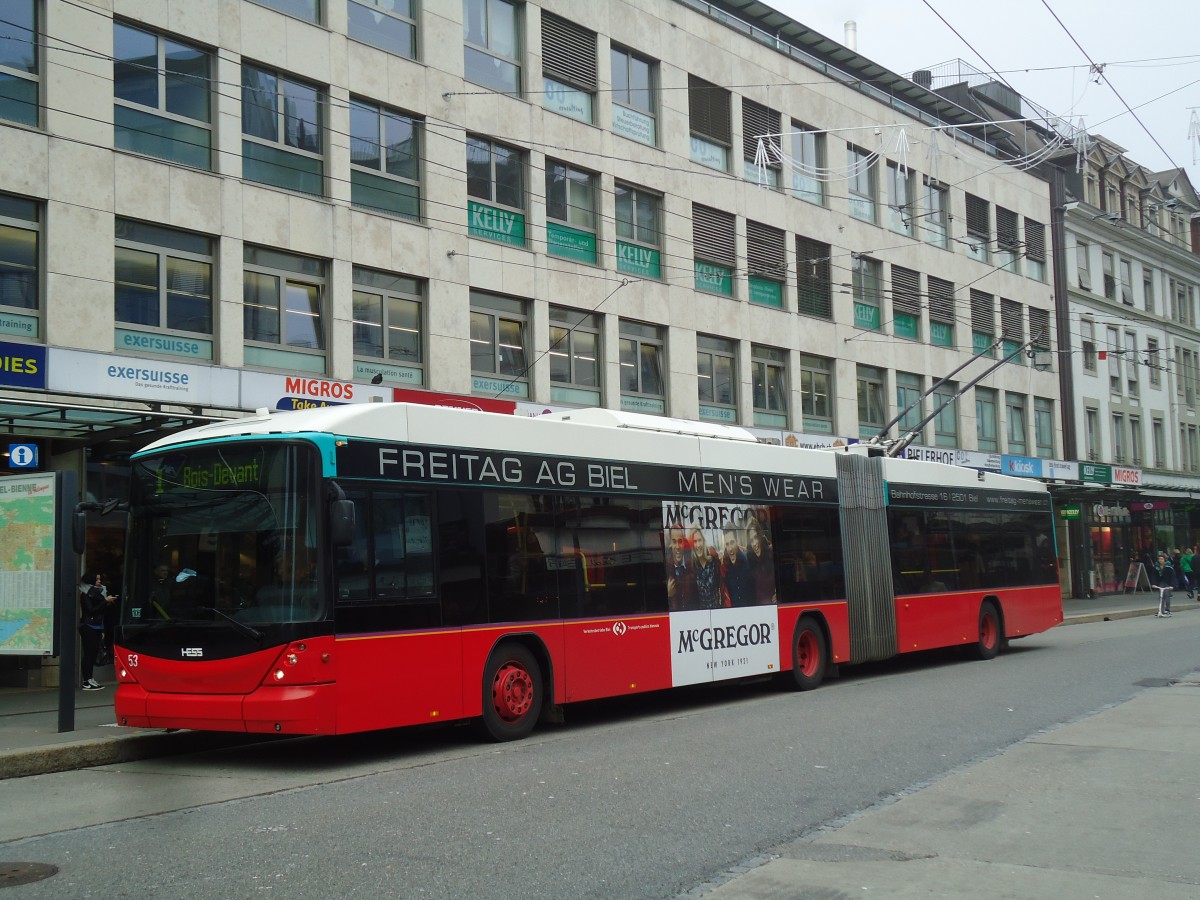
column 720, row 591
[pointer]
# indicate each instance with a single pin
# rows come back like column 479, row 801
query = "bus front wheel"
column 809, row 654
column 512, row 693
column 991, row 635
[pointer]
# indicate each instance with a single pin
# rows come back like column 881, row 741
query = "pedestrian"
column 92, row 603
column 1168, row 580
column 1188, row 572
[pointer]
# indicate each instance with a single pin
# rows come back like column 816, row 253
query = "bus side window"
column 352, row 561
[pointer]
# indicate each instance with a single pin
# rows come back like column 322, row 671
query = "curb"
column 65, row 757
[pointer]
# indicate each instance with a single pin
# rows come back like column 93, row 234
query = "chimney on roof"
column 852, row 35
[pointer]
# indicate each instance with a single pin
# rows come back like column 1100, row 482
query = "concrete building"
column 705, row 211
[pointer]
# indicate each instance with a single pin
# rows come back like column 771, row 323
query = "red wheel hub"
column 988, row 631
column 512, row 692
column 807, row 653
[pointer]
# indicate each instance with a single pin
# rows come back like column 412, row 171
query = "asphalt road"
column 650, row 797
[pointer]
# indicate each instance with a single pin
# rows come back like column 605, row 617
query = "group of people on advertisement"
column 738, row 571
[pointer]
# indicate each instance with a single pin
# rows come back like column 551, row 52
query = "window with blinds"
column 1007, row 235
column 906, row 291
column 714, row 248
column 709, row 119
column 765, row 251
column 1039, row 327
column 760, row 125
column 814, row 289
column 1012, row 321
column 941, row 300
column 979, row 227
column 983, row 312
column 568, row 67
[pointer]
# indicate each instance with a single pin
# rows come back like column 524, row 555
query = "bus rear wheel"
column 991, row 636
column 809, row 654
column 512, row 693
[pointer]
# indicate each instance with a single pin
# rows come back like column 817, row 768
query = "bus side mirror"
column 341, row 522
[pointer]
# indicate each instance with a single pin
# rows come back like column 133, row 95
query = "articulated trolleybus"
column 371, row 566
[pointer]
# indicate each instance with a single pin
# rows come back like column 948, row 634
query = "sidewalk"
column 30, row 743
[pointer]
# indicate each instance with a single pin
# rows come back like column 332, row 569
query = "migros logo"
column 318, row 387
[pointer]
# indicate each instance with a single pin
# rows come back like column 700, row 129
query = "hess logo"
column 191, row 651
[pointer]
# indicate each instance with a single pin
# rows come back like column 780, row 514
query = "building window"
column 710, row 121
column 1110, row 279
column 1126, row 282
column 985, row 419
column 499, row 327
column 1135, row 440
column 19, row 60
column 1158, row 438
column 574, row 357
column 1087, row 333
column 909, row 403
column 20, row 239
column 1092, row 433
column 1153, row 362
column 1008, row 240
column 933, row 218
column 638, row 233
column 1118, row 439
column 1082, row 268
column 1185, row 367
column 716, row 378
column 308, row 10
column 1035, row 250
column 979, row 228
column 1014, row 413
column 767, row 262
column 900, row 200
column 161, row 97
column 385, row 160
column 568, row 68
column 496, row 188
column 941, row 311
column 1012, row 329
column 808, row 163
column 906, row 303
column 163, row 282
column 388, row 315
column 642, row 363
column 1039, row 339
column 634, row 96
column 1131, row 366
column 492, row 45
column 768, row 378
column 1043, row 427
column 1148, row 291
column 761, row 153
column 816, row 393
column 570, row 212
column 872, row 403
column 814, row 286
column 390, row 25
column 283, row 300
column 868, row 290
column 282, row 121
column 945, row 423
column 862, row 183
column 983, row 322
column 713, row 243
column 1114, row 361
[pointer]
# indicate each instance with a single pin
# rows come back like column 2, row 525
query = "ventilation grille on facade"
column 1007, row 236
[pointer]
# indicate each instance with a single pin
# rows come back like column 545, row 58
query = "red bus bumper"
column 295, row 709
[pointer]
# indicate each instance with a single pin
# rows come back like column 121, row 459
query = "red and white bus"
column 371, row 566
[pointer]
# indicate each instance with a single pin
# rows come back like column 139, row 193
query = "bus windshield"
column 224, row 533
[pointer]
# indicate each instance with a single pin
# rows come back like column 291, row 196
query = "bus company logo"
column 619, row 628
column 191, row 652
column 724, row 638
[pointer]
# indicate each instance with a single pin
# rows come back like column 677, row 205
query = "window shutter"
column 1035, row 240
column 814, row 292
column 568, row 52
column 1039, row 326
column 941, row 300
column 978, row 216
column 1006, row 229
column 1011, row 324
column 765, row 251
column 759, row 120
column 712, row 235
column 708, row 110
column 983, row 312
column 906, row 291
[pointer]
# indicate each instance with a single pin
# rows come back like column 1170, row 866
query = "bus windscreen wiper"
column 252, row 633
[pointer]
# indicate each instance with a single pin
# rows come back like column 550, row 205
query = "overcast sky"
column 1148, row 49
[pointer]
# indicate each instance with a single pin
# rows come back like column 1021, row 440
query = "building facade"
column 703, row 211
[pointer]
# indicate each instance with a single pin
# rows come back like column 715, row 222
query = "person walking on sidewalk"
column 92, row 602
column 1187, row 571
column 1168, row 580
